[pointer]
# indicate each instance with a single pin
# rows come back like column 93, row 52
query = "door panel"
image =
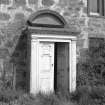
column 46, row 66
column 62, row 67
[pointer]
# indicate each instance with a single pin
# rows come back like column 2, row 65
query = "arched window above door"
column 47, row 18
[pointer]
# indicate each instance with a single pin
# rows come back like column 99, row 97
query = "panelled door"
column 46, row 66
column 62, row 66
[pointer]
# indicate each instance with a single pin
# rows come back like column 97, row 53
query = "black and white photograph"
column 52, row 52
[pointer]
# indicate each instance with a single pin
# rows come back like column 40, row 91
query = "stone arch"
column 54, row 19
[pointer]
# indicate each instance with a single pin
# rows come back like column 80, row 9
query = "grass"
column 16, row 98
column 45, row 99
column 85, row 95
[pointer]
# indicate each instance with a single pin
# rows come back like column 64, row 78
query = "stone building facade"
column 13, row 40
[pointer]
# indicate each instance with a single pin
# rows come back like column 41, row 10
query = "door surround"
column 34, row 73
column 55, row 29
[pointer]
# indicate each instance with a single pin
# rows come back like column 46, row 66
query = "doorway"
column 54, row 66
column 61, row 66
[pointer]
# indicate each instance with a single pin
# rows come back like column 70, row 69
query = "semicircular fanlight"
column 47, row 19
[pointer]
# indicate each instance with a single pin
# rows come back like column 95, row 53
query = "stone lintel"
column 58, row 31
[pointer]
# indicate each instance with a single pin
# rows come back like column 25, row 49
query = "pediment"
column 47, row 18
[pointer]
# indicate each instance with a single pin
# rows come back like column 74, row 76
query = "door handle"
column 52, row 64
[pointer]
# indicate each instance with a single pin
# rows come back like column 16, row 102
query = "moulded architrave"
column 34, row 67
column 34, row 86
column 73, row 65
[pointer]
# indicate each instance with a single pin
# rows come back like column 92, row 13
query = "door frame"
column 34, row 66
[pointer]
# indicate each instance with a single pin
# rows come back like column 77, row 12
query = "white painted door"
column 46, row 67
